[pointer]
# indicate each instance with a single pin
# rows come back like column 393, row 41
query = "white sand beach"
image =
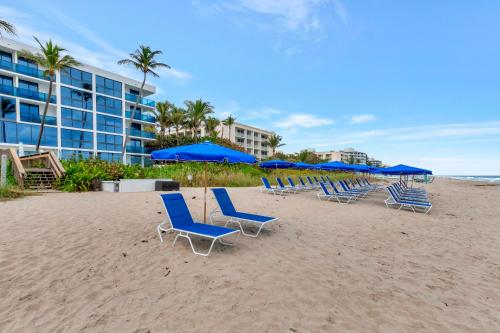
column 92, row 262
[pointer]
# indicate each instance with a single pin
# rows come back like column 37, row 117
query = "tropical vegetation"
column 83, row 175
column 7, row 27
column 144, row 60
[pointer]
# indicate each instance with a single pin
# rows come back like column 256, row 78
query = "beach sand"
column 92, row 262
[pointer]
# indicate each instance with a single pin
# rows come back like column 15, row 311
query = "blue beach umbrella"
column 402, row 169
column 302, row 166
column 333, row 166
column 203, row 152
column 277, row 164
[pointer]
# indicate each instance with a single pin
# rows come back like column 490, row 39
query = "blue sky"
column 407, row 82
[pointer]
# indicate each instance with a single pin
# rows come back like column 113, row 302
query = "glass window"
column 108, row 86
column 6, row 85
column 76, row 139
column 7, row 108
column 6, row 60
column 109, row 124
column 29, row 112
column 75, row 77
column 75, row 154
column 76, row 118
column 76, row 98
column 109, row 105
column 30, row 86
column 26, row 66
column 8, row 132
column 109, row 142
column 110, row 157
column 135, row 159
column 27, row 134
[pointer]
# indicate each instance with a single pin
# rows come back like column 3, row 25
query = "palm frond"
column 8, row 28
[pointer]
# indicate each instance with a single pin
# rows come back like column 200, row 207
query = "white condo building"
column 253, row 139
column 348, row 155
column 88, row 114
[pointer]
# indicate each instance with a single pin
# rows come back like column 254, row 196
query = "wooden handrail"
column 17, row 166
column 56, row 165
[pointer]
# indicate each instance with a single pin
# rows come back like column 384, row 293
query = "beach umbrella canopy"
column 302, row 165
column 402, row 169
column 277, row 164
column 363, row 168
column 203, row 152
column 333, row 166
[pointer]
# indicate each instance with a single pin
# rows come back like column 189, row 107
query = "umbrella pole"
column 205, row 196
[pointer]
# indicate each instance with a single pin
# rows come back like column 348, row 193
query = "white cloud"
column 302, row 120
column 306, row 17
column 425, row 134
column 363, row 118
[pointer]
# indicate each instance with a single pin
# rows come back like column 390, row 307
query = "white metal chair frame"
column 217, row 213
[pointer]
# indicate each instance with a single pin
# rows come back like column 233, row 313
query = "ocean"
column 490, row 179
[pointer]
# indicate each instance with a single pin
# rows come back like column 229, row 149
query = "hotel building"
column 252, row 139
column 88, row 115
column 348, row 155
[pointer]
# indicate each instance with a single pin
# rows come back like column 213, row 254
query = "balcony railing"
column 141, row 134
column 49, row 120
column 21, row 69
column 26, row 93
column 139, row 150
column 143, row 101
column 142, row 117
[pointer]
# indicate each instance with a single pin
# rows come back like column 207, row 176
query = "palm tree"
column 143, row 59
column 178, row 119
column 7, row 27
column 163, row 114
column 211, row 124
column 274, row 141
column 53, row 61
column 197, row 113
column 229, row 122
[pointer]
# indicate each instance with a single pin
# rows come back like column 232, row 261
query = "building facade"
column 252, row 139
column 88, row 114
column 348, row 155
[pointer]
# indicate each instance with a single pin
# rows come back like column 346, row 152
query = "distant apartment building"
column 88, row 114
column 348, row 155
column 375, row 163
column 252, row 139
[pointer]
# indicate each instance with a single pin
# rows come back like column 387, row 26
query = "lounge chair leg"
column 159, row 232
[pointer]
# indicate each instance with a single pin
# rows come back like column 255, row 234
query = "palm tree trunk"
column 46, row 108
column 177, row 133
column 132, row 115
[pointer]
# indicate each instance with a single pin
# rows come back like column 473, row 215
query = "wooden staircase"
column 39, row 179
column 35, row 172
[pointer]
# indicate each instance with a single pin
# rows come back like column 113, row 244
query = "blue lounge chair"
column 297, row 187
column 181, row 221
column 226, row 209
column 395, row 200
column 269, row 189
column 325, row 194
column 303, row 183
column 283, row 187
column 313, row 184
column 347, row 189
column 354, row 196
